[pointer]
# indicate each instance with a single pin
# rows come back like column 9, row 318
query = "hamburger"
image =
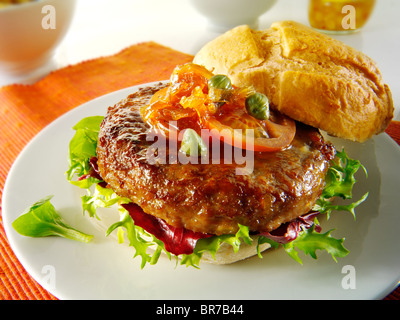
column 226, row 159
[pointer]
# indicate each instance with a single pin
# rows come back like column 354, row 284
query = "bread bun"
column 306, row 75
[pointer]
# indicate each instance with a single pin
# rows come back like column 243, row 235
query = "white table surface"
column 104, row 27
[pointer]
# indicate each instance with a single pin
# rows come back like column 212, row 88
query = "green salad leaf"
column 83, row 145
column 42, row 220
column 340, row 178
column 139, row 239
column 212, row 245
column 82, row 148
column 339, row 182
column 100, row 198
column 325, row 206
column 310, row 241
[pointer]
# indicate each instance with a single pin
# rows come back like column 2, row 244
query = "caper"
column 257, row 105
column 192, row 144
column 219, row 89
column 220, row 81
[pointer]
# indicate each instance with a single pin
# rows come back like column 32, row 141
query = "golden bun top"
column 306, row 75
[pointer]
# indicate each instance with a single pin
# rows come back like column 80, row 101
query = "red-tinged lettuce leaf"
column 176, row 240
column 94, row 173
column 288, row 232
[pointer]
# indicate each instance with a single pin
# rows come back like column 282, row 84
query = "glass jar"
column 339, row 16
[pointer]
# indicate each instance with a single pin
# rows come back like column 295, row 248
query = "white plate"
column 104, row 269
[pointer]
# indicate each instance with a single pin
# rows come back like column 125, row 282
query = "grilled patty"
column 210, row 198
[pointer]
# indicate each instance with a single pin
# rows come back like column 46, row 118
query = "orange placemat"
column 25, row 110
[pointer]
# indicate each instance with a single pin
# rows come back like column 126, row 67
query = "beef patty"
column 210, row 198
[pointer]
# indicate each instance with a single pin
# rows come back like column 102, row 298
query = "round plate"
column 104, row 269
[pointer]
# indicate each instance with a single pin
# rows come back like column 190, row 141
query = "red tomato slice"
column 264, row 136
column 186, row 101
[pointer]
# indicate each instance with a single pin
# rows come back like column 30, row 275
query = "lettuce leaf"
column 140, row 240
column 310, row 241
column 340, row 178
column 83, row 146
column 213, row 244
column 339, row 182
column 42, row 220
column 100, row 198
column 325, row 206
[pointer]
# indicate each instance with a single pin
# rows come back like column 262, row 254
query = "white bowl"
column 223, row 15
column 27, row 39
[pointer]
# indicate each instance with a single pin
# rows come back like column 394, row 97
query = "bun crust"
column 306, row 75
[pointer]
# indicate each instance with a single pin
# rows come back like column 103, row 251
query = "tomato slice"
column 243, row 131
column 188, row 103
